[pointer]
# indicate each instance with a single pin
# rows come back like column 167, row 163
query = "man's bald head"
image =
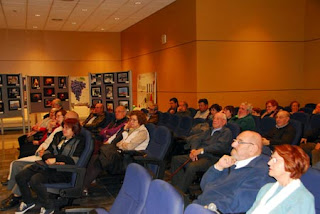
column 248, row 144
column 72, row 114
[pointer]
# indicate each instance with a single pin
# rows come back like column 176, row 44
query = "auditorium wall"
column 58, row 53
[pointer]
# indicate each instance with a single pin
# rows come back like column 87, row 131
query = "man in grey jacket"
column 205, row 151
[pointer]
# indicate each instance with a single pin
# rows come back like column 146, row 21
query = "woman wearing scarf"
column 288, row 194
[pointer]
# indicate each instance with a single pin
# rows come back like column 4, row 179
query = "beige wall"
column 312, row 52
column 250, row 50
column 58, row 53
column 174, row 62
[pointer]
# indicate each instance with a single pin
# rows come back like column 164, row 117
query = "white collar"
column 271, row 200
column 243, row 163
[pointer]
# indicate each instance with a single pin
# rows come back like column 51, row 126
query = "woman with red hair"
column 288, row 194
column 272, row 108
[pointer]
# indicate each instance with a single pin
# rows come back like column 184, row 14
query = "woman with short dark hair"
column 288, row 194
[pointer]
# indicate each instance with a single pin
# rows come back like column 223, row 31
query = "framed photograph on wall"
column 35, row 82
column 109, row 106
column 14, row 92
column 0, row 95
column 47, row 103
column 64, row 96
column 0, row 80
column 48, row 81
column 13, row 80
column 1, row 108
column 109, row 92
column 93, row 79
column 14, row 105
column 96, row 92
column 124, row 103
column 123, row 91
column 99, row 79
column 123, row 77
column 94, row 102
column 62, row 82
column 108, row 78
column 48, row 92
column 36, row 97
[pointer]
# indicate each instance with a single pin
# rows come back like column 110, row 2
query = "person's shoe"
column 24, row 207
column 46, row 211
column 9, row 202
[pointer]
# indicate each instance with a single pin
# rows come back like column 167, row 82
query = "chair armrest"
column 66, row 168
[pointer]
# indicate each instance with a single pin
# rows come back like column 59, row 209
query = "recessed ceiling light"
column 34, row 27
column 137, row 2
column 57, row 20
column 37, row 15
column 84, row 10
column 74, row 23
column 102, row 29
column 116, row 18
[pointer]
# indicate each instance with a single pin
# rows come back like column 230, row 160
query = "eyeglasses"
column 242, row 142
column 133, row 120
column 274, row 160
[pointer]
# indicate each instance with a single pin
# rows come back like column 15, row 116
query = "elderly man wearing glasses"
column 231, row 185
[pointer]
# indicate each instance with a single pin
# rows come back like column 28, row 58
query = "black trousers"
column 26, row 148
column 36, row 177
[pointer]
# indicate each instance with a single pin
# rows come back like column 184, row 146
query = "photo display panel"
column 11, row 95
column 112, row 89
column 44, row 89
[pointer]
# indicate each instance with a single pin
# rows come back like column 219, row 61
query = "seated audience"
column 203, row 111
column 30, row 142
column 244, row 118
column 215, row 108
column 294, row 106
column 65, row 149
column 95, row 120
column 229, row 112
column 153, row 114
column 282, row 133
column 233, row 182
column 173, row 105
column 17, row 165
column 134, row 136
column 206, row 149
column 317, row 109
column 271, row 109
column 288, row 194
column 114, row 126
column 256, row 112
column 310, row 143
column 183, row 109
column 56, row 104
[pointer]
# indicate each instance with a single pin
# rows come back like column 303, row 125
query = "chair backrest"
column 311, row 180
column 299, row 131
column 173, row 123
column 235, row 129
column 266, row 124
column 184, row 127
column 134, row 190
column 163, row 198
column 257, row 121
column 314, row 121
column 311, row 105
column 150, row 127
column 159, row 145
column 196, row 209
column 302, row 117
column 164, row 118
column 193, row 111
column 306, row 110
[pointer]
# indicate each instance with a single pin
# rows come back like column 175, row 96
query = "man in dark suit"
column 205, row 151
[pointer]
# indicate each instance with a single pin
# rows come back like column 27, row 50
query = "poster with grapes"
column 43, row 89
column 79, row 91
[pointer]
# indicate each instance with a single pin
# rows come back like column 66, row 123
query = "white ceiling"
column 76, row 15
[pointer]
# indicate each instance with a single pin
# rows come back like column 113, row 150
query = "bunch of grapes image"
column 76, row 88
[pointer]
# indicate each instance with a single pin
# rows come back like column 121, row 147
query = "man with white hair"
column 205, row 151
column 244, row 118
